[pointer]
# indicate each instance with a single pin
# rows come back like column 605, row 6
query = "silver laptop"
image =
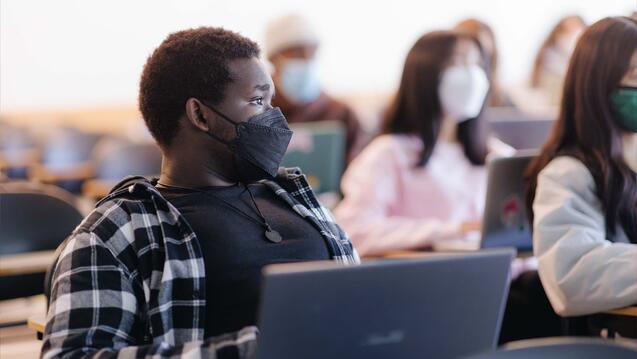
column 438, row 307
column 505, row 222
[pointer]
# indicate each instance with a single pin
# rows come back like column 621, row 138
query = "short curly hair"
column 188, row 63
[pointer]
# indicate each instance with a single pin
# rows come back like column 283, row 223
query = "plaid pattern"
column 130, row 280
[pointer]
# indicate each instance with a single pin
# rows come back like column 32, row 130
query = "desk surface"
column 26, row 263
column 37, row 323
column 39, row 261
column 628, row 311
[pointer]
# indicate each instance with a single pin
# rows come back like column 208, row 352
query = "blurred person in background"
column 423, row 179
column 291, row 44
column 551, row 61
column 486, row 37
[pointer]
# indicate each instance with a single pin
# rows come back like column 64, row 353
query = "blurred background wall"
column 60, row 56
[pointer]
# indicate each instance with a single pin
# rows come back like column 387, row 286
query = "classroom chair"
column 66, row 159
column 115, row 159
column 35, row 218
column 18, row 151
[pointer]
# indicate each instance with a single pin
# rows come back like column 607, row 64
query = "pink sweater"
column 390, row 204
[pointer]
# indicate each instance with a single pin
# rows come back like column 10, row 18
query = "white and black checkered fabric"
column 130, row 280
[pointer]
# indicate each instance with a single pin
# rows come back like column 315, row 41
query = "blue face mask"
column 299, row 81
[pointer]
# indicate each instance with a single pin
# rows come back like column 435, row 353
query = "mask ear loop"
column 226, row 118
column 221, row 140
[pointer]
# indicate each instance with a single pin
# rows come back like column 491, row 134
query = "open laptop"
column 318, row 148
column 437, row 307
column 505, row 222
column 521, row 130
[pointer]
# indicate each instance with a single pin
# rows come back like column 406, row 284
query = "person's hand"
column 471, row 226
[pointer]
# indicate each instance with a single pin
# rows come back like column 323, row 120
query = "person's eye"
column 257, row 100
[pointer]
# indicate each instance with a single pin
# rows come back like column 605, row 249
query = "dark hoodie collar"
column 132, row 186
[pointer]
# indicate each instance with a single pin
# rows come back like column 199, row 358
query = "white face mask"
column 462, row 91
column 299, row 81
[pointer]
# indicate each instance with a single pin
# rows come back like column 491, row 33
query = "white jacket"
column 582, row 272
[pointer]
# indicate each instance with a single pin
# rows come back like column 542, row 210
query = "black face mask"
column 259, row 145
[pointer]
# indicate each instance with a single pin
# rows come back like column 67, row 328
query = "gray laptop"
column 437, row 307
column 521, row 130
column 505, row 222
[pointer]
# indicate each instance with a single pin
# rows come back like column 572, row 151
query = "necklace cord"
column 263, row 221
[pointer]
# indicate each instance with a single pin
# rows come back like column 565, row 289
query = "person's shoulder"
column 107, row 220
column 103, row 223
column 123, row 211
column 395, row 142
column 389, row 150
column 565, row 166
column 117, row 225
column 568, row 172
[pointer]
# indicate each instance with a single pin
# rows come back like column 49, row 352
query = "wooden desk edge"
column 627, row 311
column 37, row 323
column 26, row 263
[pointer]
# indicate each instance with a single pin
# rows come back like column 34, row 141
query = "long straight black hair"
column 588, row 129
column 416, row 109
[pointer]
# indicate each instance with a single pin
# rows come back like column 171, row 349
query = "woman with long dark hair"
column 422, row 180
column 583, row 185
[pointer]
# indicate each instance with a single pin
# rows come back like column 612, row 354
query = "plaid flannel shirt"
column 130, row 280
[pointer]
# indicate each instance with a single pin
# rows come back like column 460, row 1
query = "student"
column 291, row 44
column 583, row 190
column 422, row 180
column 486, row 37
column 551, row 61
column 172, row 267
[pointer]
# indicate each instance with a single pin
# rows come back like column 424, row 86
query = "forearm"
column 375, row 236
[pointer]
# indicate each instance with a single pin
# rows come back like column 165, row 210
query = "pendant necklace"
column 270, row 234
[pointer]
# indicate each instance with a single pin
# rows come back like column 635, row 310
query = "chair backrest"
column 15, row 138
column 120, row 159
column 67, row 147
column 318, row 148
column 562, row 347
column 34, row 217
column 18, row 150
column 505, row 222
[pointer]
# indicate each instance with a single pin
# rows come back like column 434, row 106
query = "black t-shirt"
column 235, row 248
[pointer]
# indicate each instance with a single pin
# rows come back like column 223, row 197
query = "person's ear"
column 195, row 114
